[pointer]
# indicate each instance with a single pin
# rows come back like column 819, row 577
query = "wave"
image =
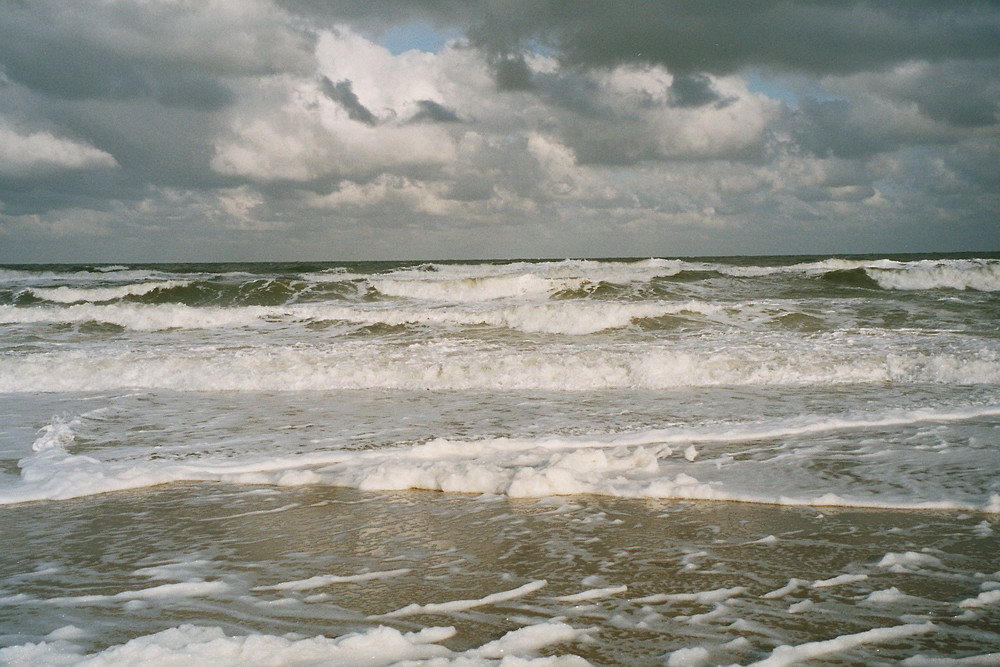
column 856, row 277
column 960, row 274
column 483, row 282
column 222, row 285
column 979, row 275
column 476, row 289
column 447, row 366
column 77, row 275
column 559, row 317
column 139, row 317
column 731, row 465
column 473, row 282
column 66, row 294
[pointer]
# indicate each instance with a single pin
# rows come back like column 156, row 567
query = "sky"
column 279, row 130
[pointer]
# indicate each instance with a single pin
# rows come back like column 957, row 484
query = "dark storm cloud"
column 434, row 112
column 693, row 90
column 343, row 94
column 823, row 128
column 512, row 73
column 962, row 94
column 720, row 36
column 195, row 92
column 124, row 50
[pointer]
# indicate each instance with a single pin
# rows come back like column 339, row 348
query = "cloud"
column 627, row 116
column 342, row 94
column 434, row 112
column 40, row 153
column 168, row 50
column 501, row 128
column 313, row 131
column 512, row 73
column 693, row 90
column 714, row 36
column 957, row 93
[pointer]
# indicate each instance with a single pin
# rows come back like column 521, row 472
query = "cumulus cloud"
column 39, row 153
column 523, row 127
column 174, row 51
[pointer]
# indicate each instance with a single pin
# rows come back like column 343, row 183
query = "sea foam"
column 366, row 648
column 636, row 465
column 66, row 294
column 446, row 366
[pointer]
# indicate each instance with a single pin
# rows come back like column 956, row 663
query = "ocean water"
column 657, row 461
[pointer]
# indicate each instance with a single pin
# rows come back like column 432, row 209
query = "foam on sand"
column 464, row 605
column 374, row 647
column 792, row 655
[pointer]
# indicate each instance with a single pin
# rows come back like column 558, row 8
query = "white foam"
column 65, row 294
column 593, row 594
column 909, row 561
column 801, row 606
column 976, row 274
column 180, row 590
column 475, row 289
column 791, row 655
column 839, row 580
column 586, row 271
column 960, row 274
column 179, row 646
column 984, row 599
column 688, row 657
column 373, row 647
column 464, row 605
column 447, row 365
column 140, row 317
column 68, row 632
column 57, row 435
column 114, row 274
column 700, row 597
column 891, row 595
column 323, row 580
column 529, row 640
column 557, row 317
column 631, row 465
column 793, row 585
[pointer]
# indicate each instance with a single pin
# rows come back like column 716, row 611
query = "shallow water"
column 636, row 580
column 620, row 462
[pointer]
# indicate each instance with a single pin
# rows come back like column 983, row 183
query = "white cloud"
column 723, row 129
column 39, row 153
column 397, row 192
column 287, row 128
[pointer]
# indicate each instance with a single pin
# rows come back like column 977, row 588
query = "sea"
column 652, row 461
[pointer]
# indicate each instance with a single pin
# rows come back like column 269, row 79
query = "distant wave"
column 66, row 294
column 478, row 282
